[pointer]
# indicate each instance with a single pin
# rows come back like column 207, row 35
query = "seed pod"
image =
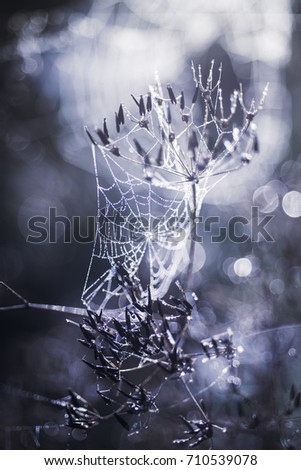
column 115, row 151
column 139, row 148
column 91, row 137
column 193, row 141
column 172, row 97
column 149, row 102
column 182, row 101
column 159, row 159
column 255, row 144
column 141, row 106
column 195, row 96
column 168, row 115
column 120, row 115
column 103, row 137
column 105, row 128
column 117, row 123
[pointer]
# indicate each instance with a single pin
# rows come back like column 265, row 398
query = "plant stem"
column 192, row 234
column 194, row 399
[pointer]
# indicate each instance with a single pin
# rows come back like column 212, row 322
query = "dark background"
column 38, row 350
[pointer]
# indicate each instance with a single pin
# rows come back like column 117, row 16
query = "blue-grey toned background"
column 69, row 64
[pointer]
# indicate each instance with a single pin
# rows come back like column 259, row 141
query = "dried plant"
column 159, row 163
column 156, row 168
column 140, row 341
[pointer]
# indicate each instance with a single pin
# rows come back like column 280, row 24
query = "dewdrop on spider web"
column 156, row 168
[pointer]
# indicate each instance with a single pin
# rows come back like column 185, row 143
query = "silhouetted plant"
column 143, row 343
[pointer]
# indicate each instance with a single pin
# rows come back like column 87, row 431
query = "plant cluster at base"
column 147, row 344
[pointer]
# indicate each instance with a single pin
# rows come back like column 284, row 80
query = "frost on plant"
column 140, row 340
column 153, row 170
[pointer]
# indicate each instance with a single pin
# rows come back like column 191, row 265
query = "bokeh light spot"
column 276, row 286
column 243, row 267
column 292, row 204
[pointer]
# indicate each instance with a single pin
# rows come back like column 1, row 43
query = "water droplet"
column 292, row 352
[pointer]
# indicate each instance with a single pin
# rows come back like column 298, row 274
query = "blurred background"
column 70, row 64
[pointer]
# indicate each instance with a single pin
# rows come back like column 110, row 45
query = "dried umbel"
column 152, row 175
column 153, row 171
column 176, row 142
column 146, row 342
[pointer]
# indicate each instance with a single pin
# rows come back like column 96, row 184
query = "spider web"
column 151, row 182
column 139, row 229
